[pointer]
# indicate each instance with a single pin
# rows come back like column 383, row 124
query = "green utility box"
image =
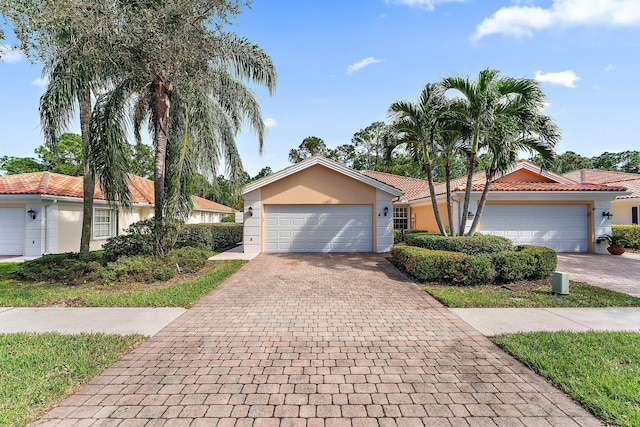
column 560, row 284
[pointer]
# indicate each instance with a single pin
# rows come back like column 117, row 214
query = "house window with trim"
column 103, row 223
column 203, row 218
column 634, row 215
column 400, row 218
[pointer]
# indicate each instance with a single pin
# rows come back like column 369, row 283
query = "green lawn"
column 24, row 294
column 601, row 370
column 580, row 295
column 39, row 370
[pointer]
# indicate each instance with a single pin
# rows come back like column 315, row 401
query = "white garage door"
column 560, row 227
column 11, row 231
column 318, row 228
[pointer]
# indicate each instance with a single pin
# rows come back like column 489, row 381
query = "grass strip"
column 23, row 294
column 38, row 370
column 580, row 295
column 601, row 370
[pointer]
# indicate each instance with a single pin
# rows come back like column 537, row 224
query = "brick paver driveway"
column 318, row 340
column 618, row 273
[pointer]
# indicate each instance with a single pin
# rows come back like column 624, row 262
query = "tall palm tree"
column 485, row 102
column 417, row 125
column 505, row 144
column 192, row 101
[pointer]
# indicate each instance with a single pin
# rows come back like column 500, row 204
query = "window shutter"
column 634, row 215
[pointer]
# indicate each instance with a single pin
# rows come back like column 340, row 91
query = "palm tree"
column 485, row 102
column 417, row 125
column 505, row 144
column 193, row 102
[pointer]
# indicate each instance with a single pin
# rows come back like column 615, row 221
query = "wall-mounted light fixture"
column 607, row 215
column 250, row 211
column 32, row 213
column 470, row 215
column 385, row 210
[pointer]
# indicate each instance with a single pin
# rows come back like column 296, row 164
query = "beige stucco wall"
column 423, row 218
column 621, row 210
column 318, row 185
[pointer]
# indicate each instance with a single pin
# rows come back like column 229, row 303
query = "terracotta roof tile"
column 209, row 205
column 546, row 186
column 409, row 186
column 630, row 181
column 55, row 184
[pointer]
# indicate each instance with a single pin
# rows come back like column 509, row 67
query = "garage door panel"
column 560, row 227
column 12, row 226
column 318, row 228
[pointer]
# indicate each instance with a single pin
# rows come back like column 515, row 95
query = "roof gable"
column 330, row 164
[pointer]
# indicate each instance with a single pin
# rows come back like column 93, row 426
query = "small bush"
column 141, row 268
column 229, row 218
column 443, row 266
column 397, row 236
column 470, row 245
column 137, row 240
column 65, row 268
column 631, row 232
column 188, row 259
column 526, row 262
column 215, row 237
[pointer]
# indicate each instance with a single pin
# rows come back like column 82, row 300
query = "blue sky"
column 341, row 63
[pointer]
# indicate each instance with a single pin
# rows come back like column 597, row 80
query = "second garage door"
column 560, row 227
column 318, row 228
column 11, row 231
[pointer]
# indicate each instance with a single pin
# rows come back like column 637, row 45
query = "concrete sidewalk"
column 494, row 321
column 111, row 320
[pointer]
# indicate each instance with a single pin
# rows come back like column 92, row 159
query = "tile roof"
column 630, row 181
column 411, row 187
column 209, row 205
column 546, row 186
column 55, row 184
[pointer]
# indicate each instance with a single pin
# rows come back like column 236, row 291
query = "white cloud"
column 610, row 67
column 423, row 4
column 563, row 78
column 41, row 81
column 9, row 54
column 270, row 123
column 361, row 64
column 522, row 21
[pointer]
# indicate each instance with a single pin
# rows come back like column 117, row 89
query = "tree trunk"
column 88, row 179
column 447, row 174
column 161, row 105
column 434, row 202
column 467, row 193
column 483, row 200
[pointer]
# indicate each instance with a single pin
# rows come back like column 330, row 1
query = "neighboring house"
column 625, row 208
column 41, row 213
column 318, row 205
column 526, row 204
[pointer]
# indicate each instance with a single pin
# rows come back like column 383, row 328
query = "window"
column 202, row 217
column 400, row 218
column 102, row 223
column 634, row 215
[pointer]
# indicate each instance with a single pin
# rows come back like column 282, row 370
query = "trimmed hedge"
column 470, row 245
column 631, row 232
column 429, row 265
column 215, row 237
column 526, row 262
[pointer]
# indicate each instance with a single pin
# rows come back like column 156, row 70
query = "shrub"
column 631, row 232
column 138, row 240
column 516, row 265
column 546, row 260
column 229, row 218
column 141, row 268
column 188, row 259
column 443, row 266
column 397, row 235
column 470, row 245
column 66, row 268
column 215, row 237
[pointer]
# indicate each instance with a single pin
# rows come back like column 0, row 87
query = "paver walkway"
column 318, row 340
